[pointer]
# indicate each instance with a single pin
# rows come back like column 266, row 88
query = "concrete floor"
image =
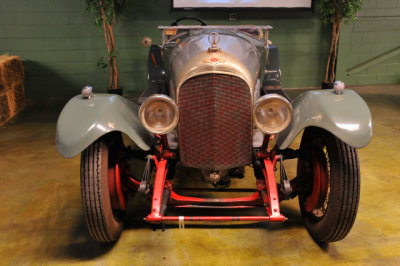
column 41, row 220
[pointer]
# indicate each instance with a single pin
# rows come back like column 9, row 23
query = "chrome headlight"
column 159, row 114
column 272, row 113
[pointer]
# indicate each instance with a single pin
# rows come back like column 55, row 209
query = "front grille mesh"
column 215, row 122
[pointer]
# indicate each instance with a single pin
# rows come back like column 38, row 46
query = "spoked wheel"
column 331, row 185
column 103, row 197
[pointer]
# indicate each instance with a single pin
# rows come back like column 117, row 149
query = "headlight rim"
column 147, row 102
column 272, row 96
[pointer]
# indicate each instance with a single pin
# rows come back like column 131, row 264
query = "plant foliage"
column 333, row 12
column 344, row 9
column 105, row 12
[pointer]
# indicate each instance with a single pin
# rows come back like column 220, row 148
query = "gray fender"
column 345, row 115
column 82, row 121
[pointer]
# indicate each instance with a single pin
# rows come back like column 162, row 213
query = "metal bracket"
column 144, row 187
column 285, row 187
column 181, row 222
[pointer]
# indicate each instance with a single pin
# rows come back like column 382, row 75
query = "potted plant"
column 105, row 13
column 333, row 12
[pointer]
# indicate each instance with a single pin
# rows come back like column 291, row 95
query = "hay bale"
column 19, row 96
column 12, row 91
column 4, row 109
column 11, row 71
column 16, row 98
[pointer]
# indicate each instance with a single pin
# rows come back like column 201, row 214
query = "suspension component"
column 144, row 187
column 285, row 187
column 215, row 177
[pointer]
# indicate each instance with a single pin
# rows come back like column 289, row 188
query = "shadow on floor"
column 82, row 246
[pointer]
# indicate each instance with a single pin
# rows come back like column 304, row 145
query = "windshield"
column 172, row 33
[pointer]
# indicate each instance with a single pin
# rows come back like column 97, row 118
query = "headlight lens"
column 272, row 113
column 159, row 114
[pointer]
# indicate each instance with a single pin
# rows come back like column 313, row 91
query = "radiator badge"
column 214, row 60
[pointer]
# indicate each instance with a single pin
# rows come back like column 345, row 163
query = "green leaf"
column 106, row 11
column 102, row 65
column 111, row 9
column 334, row 10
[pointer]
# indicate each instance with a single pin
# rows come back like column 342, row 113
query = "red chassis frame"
column 266, row 194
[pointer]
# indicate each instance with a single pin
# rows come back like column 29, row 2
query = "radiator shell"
column 215, row 122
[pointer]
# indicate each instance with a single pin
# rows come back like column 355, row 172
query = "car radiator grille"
column 214, row 122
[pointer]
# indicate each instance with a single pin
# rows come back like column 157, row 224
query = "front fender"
column 345, row 115
column 82, row 121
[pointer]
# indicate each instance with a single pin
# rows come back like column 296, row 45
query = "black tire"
column 104, row 223
column 331, row 217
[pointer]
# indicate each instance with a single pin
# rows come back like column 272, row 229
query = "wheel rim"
column 316, row 203
column 115, row 188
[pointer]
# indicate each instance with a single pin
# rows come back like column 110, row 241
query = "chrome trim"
column 227, row 64
column 164, row 98
column 267, row 97
column 215, row 27
column 238, row 56
column 257, row 91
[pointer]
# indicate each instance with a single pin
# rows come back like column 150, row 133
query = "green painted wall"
column 60, row 45
column 369, row 48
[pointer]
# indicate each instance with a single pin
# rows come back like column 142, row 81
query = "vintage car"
column 214, row 103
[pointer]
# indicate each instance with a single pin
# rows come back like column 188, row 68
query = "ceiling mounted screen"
column 188, row 4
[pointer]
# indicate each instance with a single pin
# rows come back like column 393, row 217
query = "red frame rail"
column 266, row 195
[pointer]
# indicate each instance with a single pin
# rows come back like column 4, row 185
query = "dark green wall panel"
column 60, row 45
column 369, row 48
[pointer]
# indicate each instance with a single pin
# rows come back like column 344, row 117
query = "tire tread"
column 345, row 163
column 92, row 193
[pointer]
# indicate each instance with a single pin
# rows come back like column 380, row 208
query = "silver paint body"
column 185, row 55
column 244, row 56
column 83, row 121
column 345, row 115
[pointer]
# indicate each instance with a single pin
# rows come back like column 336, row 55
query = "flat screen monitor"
column 189, row 4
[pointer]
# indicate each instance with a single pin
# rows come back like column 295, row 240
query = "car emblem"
column 213, row 38
column 214, row 60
